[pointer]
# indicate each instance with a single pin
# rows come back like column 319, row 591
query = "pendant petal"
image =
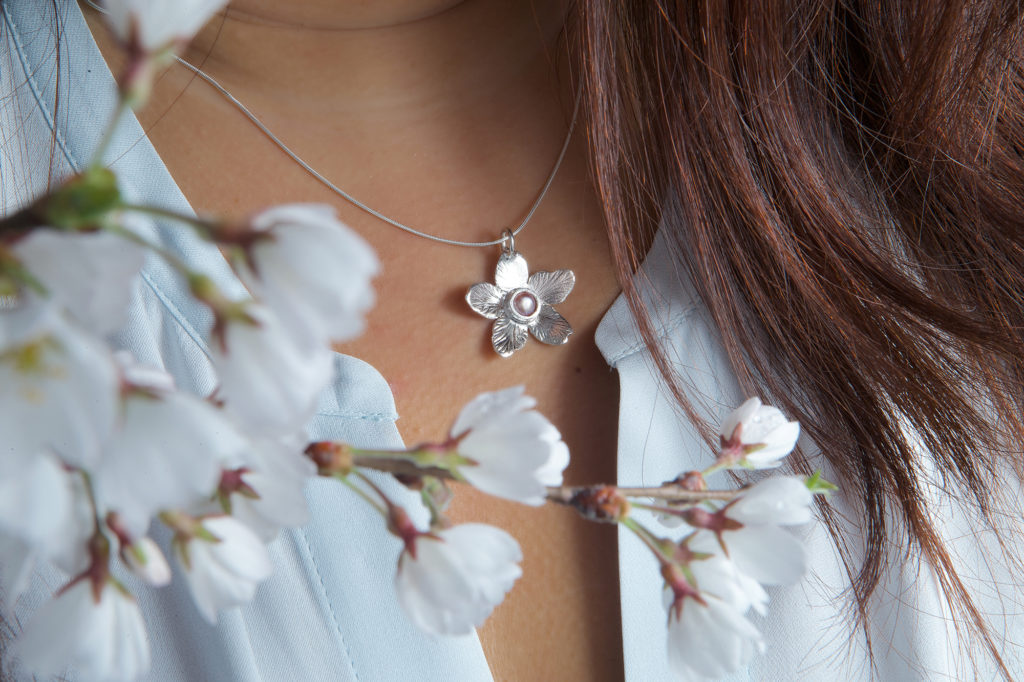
column 507, row 336
column 511, row 272
column 552, row 287
column 550, row 327
column 485, row 298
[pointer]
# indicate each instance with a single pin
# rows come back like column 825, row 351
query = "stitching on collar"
column 665, row 330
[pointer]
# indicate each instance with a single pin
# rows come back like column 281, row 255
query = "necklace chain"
column 369, row 209
column 356, row 202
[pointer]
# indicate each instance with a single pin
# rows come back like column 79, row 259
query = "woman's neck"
column 463, row 108
column 373, row 61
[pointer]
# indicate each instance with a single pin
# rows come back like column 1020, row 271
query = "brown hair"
column 848, row 200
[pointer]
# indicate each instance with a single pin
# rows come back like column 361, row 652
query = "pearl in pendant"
column 525, row 303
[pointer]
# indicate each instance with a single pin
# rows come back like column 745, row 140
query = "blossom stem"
column 90, row 495
column 171, row 258
column 108, row 134
column 715, row 468
column 658, row 508
column 203, row 228
column 363, row 494
column 647, row 537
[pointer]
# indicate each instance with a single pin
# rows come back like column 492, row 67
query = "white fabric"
column 329, row 611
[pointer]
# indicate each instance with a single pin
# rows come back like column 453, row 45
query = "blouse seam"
column 30, row 79
column 365, row 416
column 327, row 602
column 177, row 315
column 664, row 330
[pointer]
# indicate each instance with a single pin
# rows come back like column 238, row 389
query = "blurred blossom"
column 310, row 269
column 224, row 563
column 166, row 453
column 153, row 26
column 757, row 436
column 35, row 498
column 99, row 634
column 145, row 560
column 708, row 633
column 268, row 381
column 88, row 274
column 710, row 639
column 58, row 387
column 515, row 450
column 448, row 582
column 268, row 492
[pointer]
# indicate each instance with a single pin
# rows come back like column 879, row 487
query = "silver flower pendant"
column 519, row 302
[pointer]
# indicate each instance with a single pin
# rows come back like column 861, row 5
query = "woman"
column 839, row 194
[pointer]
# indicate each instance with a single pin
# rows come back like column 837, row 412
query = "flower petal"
column 708, row 642
column 550, row 327
column 492, row 407
column 485, row 298
column 783, row 500
column 740, row 415
column 768, row 554
column 511, row 272
column 507, row 336
column 552, row 287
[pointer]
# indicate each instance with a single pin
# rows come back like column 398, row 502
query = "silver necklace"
column 519, row 303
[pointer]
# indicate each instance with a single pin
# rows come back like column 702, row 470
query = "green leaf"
column 818, row 485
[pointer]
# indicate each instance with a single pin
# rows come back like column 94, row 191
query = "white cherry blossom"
column 145, row 560
column 708, row 634
column 35, row 498
column 166, row 454
column 155, row 25
column 311, row 270
column 224, row 568
column 58, row 387
column 749, row 529
column 270, row 487
column 89, row 274
column 270, row 382
column 102, row 639
column 515, row 450
column 710, row 640
column 448, row 582
column 781, row 500
column 757, row 436
column 43, row 515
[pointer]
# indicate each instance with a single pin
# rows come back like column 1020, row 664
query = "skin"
column 448, row 116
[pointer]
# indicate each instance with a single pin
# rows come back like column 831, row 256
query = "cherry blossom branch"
column 404, row 465
column 670, row 492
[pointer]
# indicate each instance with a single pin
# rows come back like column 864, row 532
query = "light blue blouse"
column 329, row 611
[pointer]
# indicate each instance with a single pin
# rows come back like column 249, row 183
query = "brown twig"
column 565, row 494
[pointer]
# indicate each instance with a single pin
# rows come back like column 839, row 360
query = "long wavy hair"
column 849, row 203
column 848, row 187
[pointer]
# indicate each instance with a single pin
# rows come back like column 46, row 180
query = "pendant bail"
column 508, row 242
